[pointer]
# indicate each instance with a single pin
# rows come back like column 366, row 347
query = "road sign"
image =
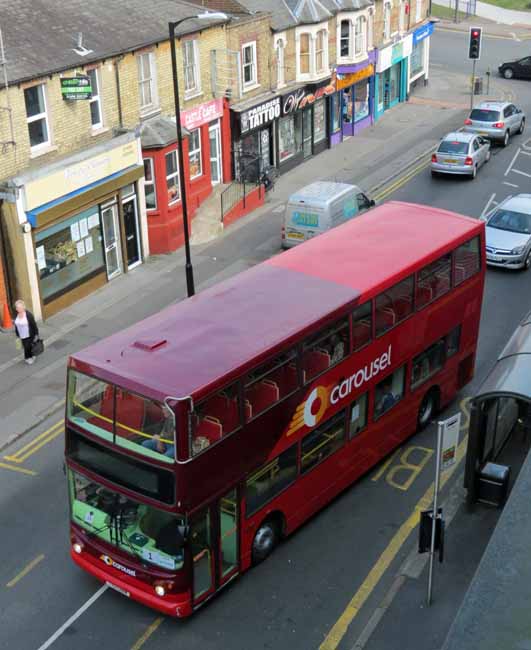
column 474, row 43
column 74, row 88
column 450, row 433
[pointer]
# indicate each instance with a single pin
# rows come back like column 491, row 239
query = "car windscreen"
column 451, row 146
column 484, row 115
column 511, row 221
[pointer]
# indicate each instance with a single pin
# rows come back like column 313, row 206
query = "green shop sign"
column 398, row 52
column 74, row 88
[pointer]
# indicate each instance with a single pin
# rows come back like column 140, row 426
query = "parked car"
column 508, row 233
column 318, row 207
column 520, row 69
column 460, row 153
column 496, row 121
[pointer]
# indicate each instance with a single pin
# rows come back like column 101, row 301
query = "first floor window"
column 249, row 64
column 344, row 45
column 359, row 42
column 149, row 184
column 192, row 81
column 172, row 177
column 304, row 54
column 37, row 117
column 147, row 81
column 387, row 21
column 195, row 153
column 280, row 63
column 96, row 117
column 320, row 51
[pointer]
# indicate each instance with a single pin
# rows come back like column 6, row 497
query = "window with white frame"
column 147, row 81
column 418, row 11
column 402, row 15
column 194, row 153
column 304, row 54
column 320, row 51
column 249, row 64
column 172, row 177
column 37, row 116
column 149, row 184
column 387, row 21
column 345, row 31
column 192, row 73
column 281, row 79
column 359, row 38
column 370, row 30
column 96, row 114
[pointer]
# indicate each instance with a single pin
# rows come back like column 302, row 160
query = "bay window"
column 304, row 55
column 344, row 38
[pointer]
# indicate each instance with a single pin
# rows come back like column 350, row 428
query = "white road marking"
column 279, row 208
column 512, row 161
column 514, row 36
column 491, row 200
column 510, row 184
column 74, row 617
column 517, row 171
column 526, row 153
column 527, row 144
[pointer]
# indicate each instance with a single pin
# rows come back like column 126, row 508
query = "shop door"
column 111, row 241
column 214, row 135
column 265, row 149
column 307, row 133
column 386, row 89
column 132, row 239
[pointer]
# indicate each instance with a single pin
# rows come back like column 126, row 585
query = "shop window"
column 270, row 480
column 96, row 114
column 149, row 184
column 319, row 120
column 361, row 100
column 37, row 116
column 359, row 38
column 326, row 349
column 270, row 383
column 322, row 442
column 147, row 82
column 68, row 253
column 394, row 305
column 389, row 392
column 172, row 177
column 358, row 416
column 194, row 144
column 427, row 363
column 192, row 75
column 304, row 54
column 215, row 417
column 467, row 260
column 362, row 325
column 387, row 21
column 416, row 61
column 345, row 38
column 321, row 45
column 433, row 281
column 336, row 111
column 289, row 136
column 249, row 64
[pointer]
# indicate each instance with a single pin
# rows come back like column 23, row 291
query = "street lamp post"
column 182, row 185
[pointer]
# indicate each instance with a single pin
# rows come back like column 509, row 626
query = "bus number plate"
column 118, row 589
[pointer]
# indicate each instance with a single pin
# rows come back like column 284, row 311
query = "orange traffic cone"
column 7, row 320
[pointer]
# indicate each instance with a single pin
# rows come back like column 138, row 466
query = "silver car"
column 496, row 121
column 460, row 153
column 508, row 233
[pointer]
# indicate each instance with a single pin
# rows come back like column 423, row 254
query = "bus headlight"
column 77, row 547
column 159, row 590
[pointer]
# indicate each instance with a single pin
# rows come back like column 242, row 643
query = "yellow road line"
column 19, row 456
column 151, row 629
column 25, row 570
column 21, row 470
column 339, row 629
column 401, row 181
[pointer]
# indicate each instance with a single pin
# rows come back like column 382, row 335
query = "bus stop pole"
column 435, row 505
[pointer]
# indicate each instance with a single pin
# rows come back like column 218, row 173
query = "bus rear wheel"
column 428, row 408
column 265, row 540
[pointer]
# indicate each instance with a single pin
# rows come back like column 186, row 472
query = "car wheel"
column 506, row 139
column 487, row 157
column 527, row 263
column 264, row 541
column 508, row 73
column 427, row 410
column 474, row 171
column 522, row 126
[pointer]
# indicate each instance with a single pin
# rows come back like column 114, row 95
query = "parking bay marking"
column 24, row 572
column 150, row 630
column 20, row 470
column 39, row 441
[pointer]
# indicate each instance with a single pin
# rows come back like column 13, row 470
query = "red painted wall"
column 252, row 201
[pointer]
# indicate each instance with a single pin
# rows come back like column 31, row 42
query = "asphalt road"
column 293, row 600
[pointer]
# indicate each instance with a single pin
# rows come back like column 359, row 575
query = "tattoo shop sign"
column 260, row 115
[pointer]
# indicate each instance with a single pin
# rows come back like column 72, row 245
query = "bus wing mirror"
column 372, row 203
column 184, row 531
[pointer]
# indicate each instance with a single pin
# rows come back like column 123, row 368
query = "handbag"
column 37, row 347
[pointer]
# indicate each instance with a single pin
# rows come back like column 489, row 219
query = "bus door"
column 202, row 554
column 228, row 531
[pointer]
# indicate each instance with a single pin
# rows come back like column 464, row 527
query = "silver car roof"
column 459, row 136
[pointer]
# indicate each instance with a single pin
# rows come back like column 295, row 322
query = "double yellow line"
column 42, row 439
column 402, row 180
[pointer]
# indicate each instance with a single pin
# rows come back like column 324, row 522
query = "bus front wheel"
column 428, row 408
column 265, row 540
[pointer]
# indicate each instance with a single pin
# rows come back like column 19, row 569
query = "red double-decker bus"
column 199, row 437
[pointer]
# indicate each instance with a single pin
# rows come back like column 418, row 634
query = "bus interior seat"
column 385, row 318
column 248, row 410
column 130, row 414
column 314, row 362
column 224, row 409
column 262, row 395
column 361, row 333
column 285, row 379
column 210, row 428
column 403, row 306
column 424, row 295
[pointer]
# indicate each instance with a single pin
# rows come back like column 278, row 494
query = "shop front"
column 392, row 75
column 420, row 56
column 352, row 105
column 76, row 225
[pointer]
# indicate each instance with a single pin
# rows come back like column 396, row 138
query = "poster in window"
column 80, row 246
column 41, row 258
column 74, row 231
column 89, row 246
column 93, row 221
column 83, row 228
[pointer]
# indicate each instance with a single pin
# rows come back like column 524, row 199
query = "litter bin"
column 478, row 85
column 493, row 484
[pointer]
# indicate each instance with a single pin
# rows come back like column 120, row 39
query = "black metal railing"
column 236, row 192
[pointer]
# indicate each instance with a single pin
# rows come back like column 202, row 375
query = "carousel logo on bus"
column 116, row 565
column 312, row 410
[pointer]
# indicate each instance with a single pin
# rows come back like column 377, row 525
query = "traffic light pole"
column 472, row 84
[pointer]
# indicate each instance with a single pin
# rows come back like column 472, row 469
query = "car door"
column 476, row 152
column 523, row 68
column 508, row 118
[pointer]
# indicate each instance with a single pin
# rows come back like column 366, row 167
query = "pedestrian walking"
column 26, row 330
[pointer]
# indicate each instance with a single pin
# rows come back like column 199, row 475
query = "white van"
column 319, row 207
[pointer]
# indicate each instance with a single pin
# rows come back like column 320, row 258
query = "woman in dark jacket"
column 26, row 329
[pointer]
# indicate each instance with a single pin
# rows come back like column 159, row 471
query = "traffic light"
column 474, row 45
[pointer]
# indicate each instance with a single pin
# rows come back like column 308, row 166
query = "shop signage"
column 394, row 53
column 74, row 88
column 202, row 114
column 346, row 80
column 259, row 115
column 422, row 33
column 398, row 52
column 71, row 178
column 299, row 99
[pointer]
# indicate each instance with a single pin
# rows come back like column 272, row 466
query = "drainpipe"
column 118, row 93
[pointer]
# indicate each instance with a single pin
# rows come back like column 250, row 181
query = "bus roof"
column 192, row 345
